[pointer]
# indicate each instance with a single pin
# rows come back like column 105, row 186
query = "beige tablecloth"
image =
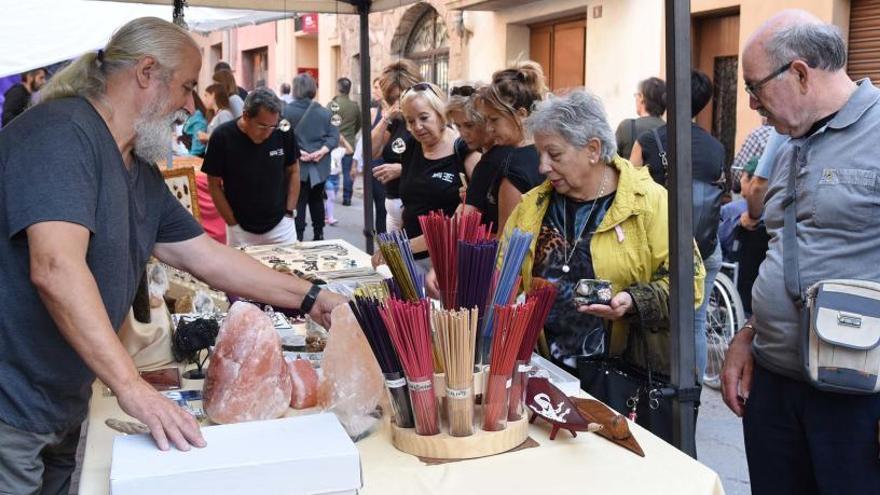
column 586, row 464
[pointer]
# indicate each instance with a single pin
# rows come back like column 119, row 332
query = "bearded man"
column 18, row 97
column 84, row 207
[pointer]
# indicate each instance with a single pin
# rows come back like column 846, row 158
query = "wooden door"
column 864, row 40
column 569, row 46
column 560, row 47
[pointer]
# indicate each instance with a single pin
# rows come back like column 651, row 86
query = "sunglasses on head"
column 422, row 86
column 466, row 91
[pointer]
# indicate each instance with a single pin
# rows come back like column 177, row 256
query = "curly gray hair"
column 578, row 117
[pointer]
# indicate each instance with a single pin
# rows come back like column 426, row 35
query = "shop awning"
column 491, row 5
column 38, row 33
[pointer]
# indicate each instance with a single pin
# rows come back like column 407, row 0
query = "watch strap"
column 309, row 300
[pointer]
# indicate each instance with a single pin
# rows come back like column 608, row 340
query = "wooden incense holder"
column 547, row 402
column 443, row 446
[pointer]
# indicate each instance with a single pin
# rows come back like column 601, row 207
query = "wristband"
column 309, row 300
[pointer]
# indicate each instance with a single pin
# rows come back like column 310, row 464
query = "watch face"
column 398, row 146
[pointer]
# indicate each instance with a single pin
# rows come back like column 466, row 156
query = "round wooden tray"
column 444, row 446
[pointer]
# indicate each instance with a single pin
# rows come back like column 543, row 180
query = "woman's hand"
column 377, row 259
column 387, row 172
column 432, row 287
column 203, row 136
column 391, row 111
column 620, row 305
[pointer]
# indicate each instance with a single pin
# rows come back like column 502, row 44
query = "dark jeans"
column 313, row 198
column 803, row 441
column 752, row 251
column 379, row 203
column 36, row 463
column 347, row 181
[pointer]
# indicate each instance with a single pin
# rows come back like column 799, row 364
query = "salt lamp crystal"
column 247, row 379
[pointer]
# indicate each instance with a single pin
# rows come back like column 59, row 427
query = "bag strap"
column 632, row 133
column 661, row 152
column 789, row 236
column 303, row 117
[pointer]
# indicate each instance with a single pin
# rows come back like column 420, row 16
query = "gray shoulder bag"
column 840, row 318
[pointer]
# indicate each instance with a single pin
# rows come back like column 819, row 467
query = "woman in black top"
column 389, row 136
column 511, row 167
column 432, row 157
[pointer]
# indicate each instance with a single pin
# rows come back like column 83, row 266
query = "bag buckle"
column 849, row 319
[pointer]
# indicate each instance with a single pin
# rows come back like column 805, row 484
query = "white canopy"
column 37, row 33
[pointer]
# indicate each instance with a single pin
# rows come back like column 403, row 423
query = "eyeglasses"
column 264, row 127
column 465, row 91
column 753, row 88
column 422, row 86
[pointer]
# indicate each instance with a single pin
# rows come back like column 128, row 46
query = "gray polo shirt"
column 838, row 231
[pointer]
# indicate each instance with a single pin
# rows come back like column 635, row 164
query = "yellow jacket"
column 631, row 249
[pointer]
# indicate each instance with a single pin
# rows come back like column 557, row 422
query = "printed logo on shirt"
column 444, row 176
column 278, row 152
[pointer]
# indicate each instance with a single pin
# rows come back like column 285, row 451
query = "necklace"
column 565, row 267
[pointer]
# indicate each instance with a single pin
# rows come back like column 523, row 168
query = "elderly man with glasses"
column 250, row 162
column 800, row 439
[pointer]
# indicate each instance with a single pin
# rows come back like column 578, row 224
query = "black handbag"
column 630, row 390
column 643, row 395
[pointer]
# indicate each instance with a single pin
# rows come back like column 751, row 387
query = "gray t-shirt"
column 59, row 162
column 838, row 234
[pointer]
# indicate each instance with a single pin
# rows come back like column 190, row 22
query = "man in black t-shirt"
column 18, row 97
column 84, row 206
column 253, row 173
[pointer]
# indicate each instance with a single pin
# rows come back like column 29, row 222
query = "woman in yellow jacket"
column 597, row 217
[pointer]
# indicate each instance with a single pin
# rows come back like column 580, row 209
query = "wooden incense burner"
column 547, row 402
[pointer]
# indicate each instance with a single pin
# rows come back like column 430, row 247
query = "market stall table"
column 586, row 464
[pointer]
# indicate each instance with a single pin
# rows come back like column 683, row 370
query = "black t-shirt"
column 427, row 185
column 254, row 175
column 393, row 152
column 517, row 165
column 707, row 154
column 59, row 162
column 15, row 101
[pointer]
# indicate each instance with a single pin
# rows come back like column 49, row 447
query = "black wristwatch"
column 309, row 300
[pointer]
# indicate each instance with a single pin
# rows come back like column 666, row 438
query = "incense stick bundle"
column 543, row 293
column 476, row 264
column 505, row 280
column 365, row 307
column 399, row 258
column 409, row 327
column 442, row 234
column 457, row 332
column 510, row 327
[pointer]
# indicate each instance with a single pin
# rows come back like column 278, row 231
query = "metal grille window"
column 428, row 47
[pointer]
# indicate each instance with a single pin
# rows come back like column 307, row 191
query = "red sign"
column 308, row 23
column 312, row 71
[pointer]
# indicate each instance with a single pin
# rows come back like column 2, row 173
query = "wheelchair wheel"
column 724, row 317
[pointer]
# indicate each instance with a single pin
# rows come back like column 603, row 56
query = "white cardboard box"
column 305, row 455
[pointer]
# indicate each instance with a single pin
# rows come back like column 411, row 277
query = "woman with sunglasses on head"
column 462, row 113
column 433, row 158
column 510, row 169
column 389, row 136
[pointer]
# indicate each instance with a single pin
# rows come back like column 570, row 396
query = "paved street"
column 719, row 432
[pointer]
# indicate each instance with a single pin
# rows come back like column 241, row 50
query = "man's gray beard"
column 154, row 133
